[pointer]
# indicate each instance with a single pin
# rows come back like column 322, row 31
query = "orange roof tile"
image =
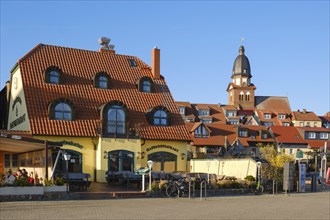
column 287, row 134
column 79, row 67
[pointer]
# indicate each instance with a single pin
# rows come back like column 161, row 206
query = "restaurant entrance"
column 163, row 161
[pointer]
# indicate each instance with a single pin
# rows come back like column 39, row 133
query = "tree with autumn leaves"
column 274, row 169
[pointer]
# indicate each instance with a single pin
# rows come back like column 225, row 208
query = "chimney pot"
column 155, row 62
column 106, row 47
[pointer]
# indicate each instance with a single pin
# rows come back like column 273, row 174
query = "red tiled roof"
column 254, row 136
column 305, row 116
column 275, row 103
column 229, row 107
column 217, row 136
column 79, row 67
column 287, row 134
column 202, row 106
column 317, row 144
column 320, row 129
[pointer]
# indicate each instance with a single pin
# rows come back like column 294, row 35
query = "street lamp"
column 67, row 157
column 150, row 163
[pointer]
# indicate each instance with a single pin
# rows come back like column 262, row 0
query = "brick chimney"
column 155, row 62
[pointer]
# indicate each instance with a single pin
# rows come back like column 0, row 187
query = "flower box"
column 21, row 190
column 48, row 189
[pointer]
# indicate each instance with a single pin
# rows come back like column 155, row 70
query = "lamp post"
column 150, row 163
column 67, row 157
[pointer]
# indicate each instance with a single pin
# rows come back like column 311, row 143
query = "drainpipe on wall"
column 95, row 148
column 46, row 160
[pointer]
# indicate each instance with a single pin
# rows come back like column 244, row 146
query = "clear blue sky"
column 287, row 42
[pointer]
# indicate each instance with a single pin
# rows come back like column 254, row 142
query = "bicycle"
column 177, row 188
column 263, row 186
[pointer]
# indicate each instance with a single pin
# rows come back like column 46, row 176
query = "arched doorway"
column 120, row 160
column 163, row 161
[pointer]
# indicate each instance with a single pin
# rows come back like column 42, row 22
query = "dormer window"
column 61, row 109
column 53, row 75
column 267, row 124
column 203, row 112
column 267, row 116
column 243, row 133
column 145, row 84
column 201, row 132
column 182, row 110
column 158, row 116
column 311, row 135
column 116, row 120
column 281, row 117
column 101, row 80
column 264, row 135
column 113, row 118
column 206, row 120
column 146, row 87
column 324, row 135
column 231, row 113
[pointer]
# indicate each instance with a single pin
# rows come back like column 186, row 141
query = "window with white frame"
column 267, row 116
column 200, row 132
column 291, row 151
column 231, row 113
column 203, row 112
column 311, row 135
column 182, row 110
column 267, row 124
column 285, row 124
column 281, row 117
column 308, row 124
column 206, row 120
column 243, row 133
column 324, row 135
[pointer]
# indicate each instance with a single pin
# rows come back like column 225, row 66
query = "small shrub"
column 250, row 178
column 59, row 181
column 48, row 182
column 22, row 181
column 155, row 186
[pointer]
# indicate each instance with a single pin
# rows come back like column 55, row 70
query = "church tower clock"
column 241, row 90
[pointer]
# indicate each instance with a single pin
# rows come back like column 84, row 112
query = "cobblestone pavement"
column 295, row 206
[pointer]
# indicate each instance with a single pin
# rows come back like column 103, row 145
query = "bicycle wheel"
column 259, row 190
column 162, row 190
column 172, row 191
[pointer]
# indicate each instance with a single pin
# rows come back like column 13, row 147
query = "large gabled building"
column 111, row 112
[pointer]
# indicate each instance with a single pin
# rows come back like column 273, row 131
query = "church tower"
column 241, row 90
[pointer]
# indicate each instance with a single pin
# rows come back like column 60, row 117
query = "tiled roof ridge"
column 38, row 46
column 271, row 96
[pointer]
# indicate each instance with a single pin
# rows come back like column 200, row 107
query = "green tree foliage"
column 274, row 169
